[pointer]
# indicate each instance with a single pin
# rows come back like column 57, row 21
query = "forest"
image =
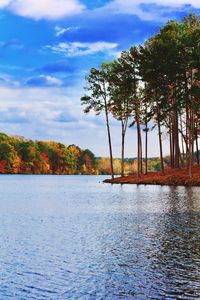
column 22, row 156
column 154, row 86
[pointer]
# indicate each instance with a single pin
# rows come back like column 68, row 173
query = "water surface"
column 73, row 237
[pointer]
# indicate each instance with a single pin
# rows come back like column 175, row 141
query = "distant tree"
column 7, row 157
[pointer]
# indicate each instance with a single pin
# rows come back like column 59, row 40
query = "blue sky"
column 47, row 48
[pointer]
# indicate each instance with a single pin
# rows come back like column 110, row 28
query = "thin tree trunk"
column 176, row 141
column 141, row 158
column 190, row 149
column 181, row 158
column 138, row 154
column 138, row 144
column 161, row 149
column 182, row 142
column 191, row 141
column 187, row 136
column 192, row 124
column 171, row 143
column 109, row 140
column 146, row 149
column 122, row 154
column 176, row 132
column 187, row 141
column 197, row 147
column 191, row 131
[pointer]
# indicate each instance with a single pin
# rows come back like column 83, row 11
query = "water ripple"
column 71, row 237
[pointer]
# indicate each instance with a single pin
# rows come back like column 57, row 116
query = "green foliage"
column 157, row 85
column 96, row 86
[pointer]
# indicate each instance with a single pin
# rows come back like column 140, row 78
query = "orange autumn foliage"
column 174, row 177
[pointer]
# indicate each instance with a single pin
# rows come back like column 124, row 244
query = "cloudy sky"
column 47, row 47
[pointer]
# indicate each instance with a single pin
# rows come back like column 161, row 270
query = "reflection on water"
column 72, row 237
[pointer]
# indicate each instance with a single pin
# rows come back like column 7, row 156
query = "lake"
column 73, row 237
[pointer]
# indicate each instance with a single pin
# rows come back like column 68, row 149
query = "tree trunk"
column 176, row 141
column 122, row 154
column 190, row 156
column 197, row 147
column 139, row 144
column 146, row 149
column 191, row 130
column 141, row 158
column 182, row 142
column 171, row 143
column 187, row 111
column 181, row 158
column 161, row 150
column 187, row 135
column 109, row 140
column 190, row 162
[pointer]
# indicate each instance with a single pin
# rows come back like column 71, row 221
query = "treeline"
column 22, row 156
column 130, row 165
column 154, row 85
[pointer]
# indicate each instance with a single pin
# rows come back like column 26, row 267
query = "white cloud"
column 135, row 7
column 58, row 9
column 56, row 114
column 6, row 79
column 4, row 3
column 60, row 30
column 53, row 80
column 80, row 49
column 44, row 80
column 44, row 9
column 176, row 3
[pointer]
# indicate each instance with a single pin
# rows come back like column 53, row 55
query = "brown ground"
column 171, row 177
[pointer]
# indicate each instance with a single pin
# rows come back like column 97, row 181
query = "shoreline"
column 178, row 177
